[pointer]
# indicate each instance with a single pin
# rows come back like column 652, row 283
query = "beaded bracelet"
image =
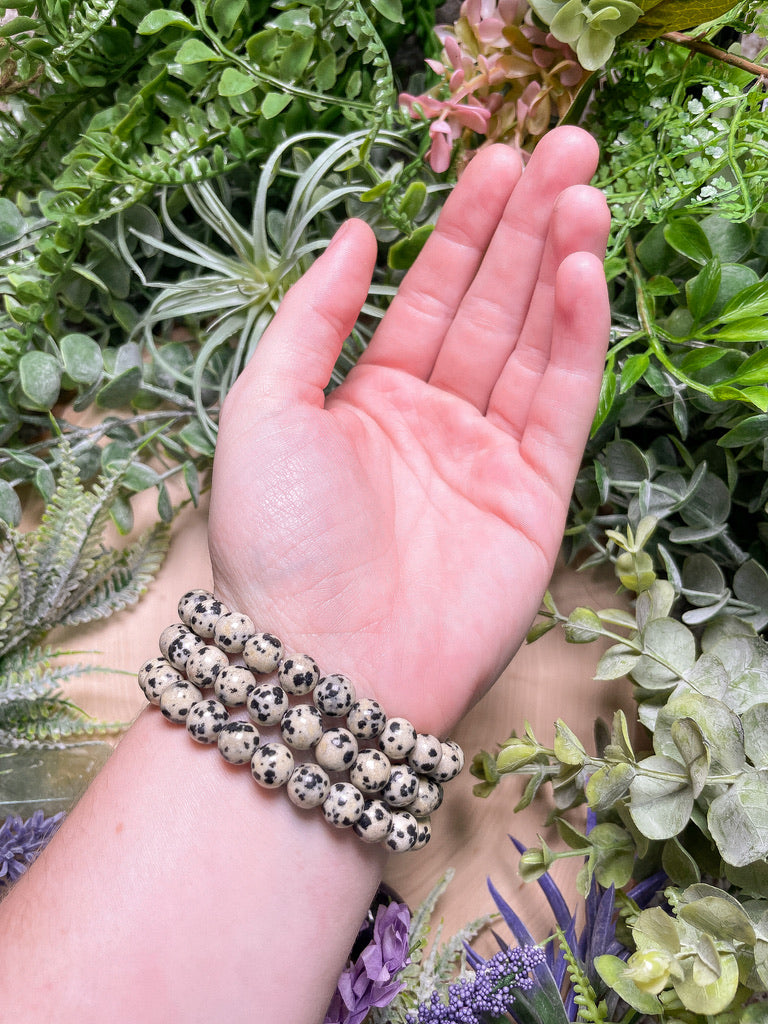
column 394, row 775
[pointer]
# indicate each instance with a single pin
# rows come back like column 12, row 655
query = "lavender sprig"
column 21, row 842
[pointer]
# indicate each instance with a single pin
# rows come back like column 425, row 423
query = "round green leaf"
column 719, row 726
column 10, row 506
column 234, row 83
column 583, row 626
column 738, row 820
column 83, row 361
column 157, row 20
column 195, row 51
column 686, row 236
column 708, row 999
column 119, row 391
column 613, row 972
column 660, row 806
column 40, row 379
column 669, row 654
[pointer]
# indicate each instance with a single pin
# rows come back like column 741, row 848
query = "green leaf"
column 689, row 740
column 606, row 397
column 234, row 83
column 612, row 970
column 708, row 999
column 295, row 58
column 718, row 725
column 660, row 806
column 718, row 914
column 83, row 361
column 403, row 253
column 755, row 722
column 273, row 103
column 157, row 20
column 583, row 626
column 701, row 290
column 619, row 660
column 632, row 370
column 195, row 51
column 669, row 654
column 751, row 302
column 226, row 13
column 678, row 863
column 118, row 392
column 685, row 236
column 10, row 506
column 754, row 370
column 738, row 819
column 390, row 9
column 609, row 784
column 568, row 747
column 40, row 379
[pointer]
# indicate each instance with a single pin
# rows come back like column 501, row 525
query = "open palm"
column 403, row 529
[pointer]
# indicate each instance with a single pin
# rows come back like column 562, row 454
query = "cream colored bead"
column 232, row 631
column 155, row 676
column 429, row 796
column 177, row 643
column 374, row 823
column 301, row 726
column 262, row 653
column 334, row 695
column 370, row 771
column 298, row 674
column 336, row 750
column 238, row 742
column 272, row 765
column 451, row 762
column 204, row 664
column 425, row 754
column 200, row 610
column 403, row 832
column 177, row 699
column 233, row 684
column 398, row 738
column 205, row 720
column 308, row 786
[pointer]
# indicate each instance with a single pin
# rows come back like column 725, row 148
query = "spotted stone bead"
column 272, row 765
column 308, row 785
column 366, row 719
column 425, row 754
column 374, row 823
column 262, row 653
column 336, row 750
column 301, row 726
column 344, row 805
column 267, row 703
column 401, row 786
column 429, row 796
column 204, row 664
column 177, row 642
column 177, row 699
column 238, row 742
column 334, row 695
column 398, row 738
column 450, row 764
column 423, row 833
column 205, row 720
column 370, row 771
column 232, row 631
column 298, row 674
column 403, row 834
column 200, row 610
column 233, row 684
column 155, row 676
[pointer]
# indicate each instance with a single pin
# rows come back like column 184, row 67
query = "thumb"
column 296, row 354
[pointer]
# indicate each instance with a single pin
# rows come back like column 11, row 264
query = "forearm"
column 178, row 889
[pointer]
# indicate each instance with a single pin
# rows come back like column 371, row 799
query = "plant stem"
column 699, row 46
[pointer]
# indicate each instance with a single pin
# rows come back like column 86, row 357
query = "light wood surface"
column 547, row 680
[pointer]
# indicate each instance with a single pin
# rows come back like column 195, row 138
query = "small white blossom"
column 714, row 151
column 708, row 192
column 695, row 107
column 689, row 140
column 710, row 94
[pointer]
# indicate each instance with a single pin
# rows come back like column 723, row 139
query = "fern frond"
column 30, row 673
column 87, row 17
column 118, row 578
column 585, row 997
column 48, row 723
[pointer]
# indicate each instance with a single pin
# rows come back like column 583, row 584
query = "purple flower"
column 21, row 841
column 372, row 979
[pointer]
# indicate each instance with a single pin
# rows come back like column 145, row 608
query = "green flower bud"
column 650, row 970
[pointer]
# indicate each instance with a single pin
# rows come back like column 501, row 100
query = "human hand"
column 403, row 529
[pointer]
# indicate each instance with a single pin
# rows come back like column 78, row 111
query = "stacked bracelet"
column 394, row 775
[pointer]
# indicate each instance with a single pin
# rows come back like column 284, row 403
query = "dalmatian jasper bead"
column 429, row 796
column 401, row 786
column 204, row 664
column 344, row 805
column 177, row 699
column 398, row 738
column 423, row 833
column 308, row 785
column 267, row 703
column 155, row 676
column 205, row 720
column 262, row 653
column 298, row 674
column 200, row 610
column 370, row 771
column 238, row 742
column 233, row 684
column 426, row 753
column 334, row 695
column 336, row 750
column 450, row 763
column 301, row 726
column 272, row 765
column 232, row 631
column 366, row 719
column 374, row 823
column 177, row 642
column 404, row 832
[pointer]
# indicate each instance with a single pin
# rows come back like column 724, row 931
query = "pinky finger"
column 562, row 410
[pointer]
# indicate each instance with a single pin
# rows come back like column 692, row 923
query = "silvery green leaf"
column 709, row 677
column 695, row 616
column 655, row 929
column 752, row 879
column 670, row 654
column 568, row 747
column 583, row 626
column 654, row 603
column 609, row 784
column 738, row 819
column 620, row 734
column 724, row 628
column 709, row 504
column 755, row 723
column 613, row 972
column 719, row 726
column 708, row 999
column 745, row 659
column 688, row 739
column 625, row 462
column 718, row 914
column 619, row 660
column 703, row 580
column 678, row 863
column 750, row 584
column 660, row 803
